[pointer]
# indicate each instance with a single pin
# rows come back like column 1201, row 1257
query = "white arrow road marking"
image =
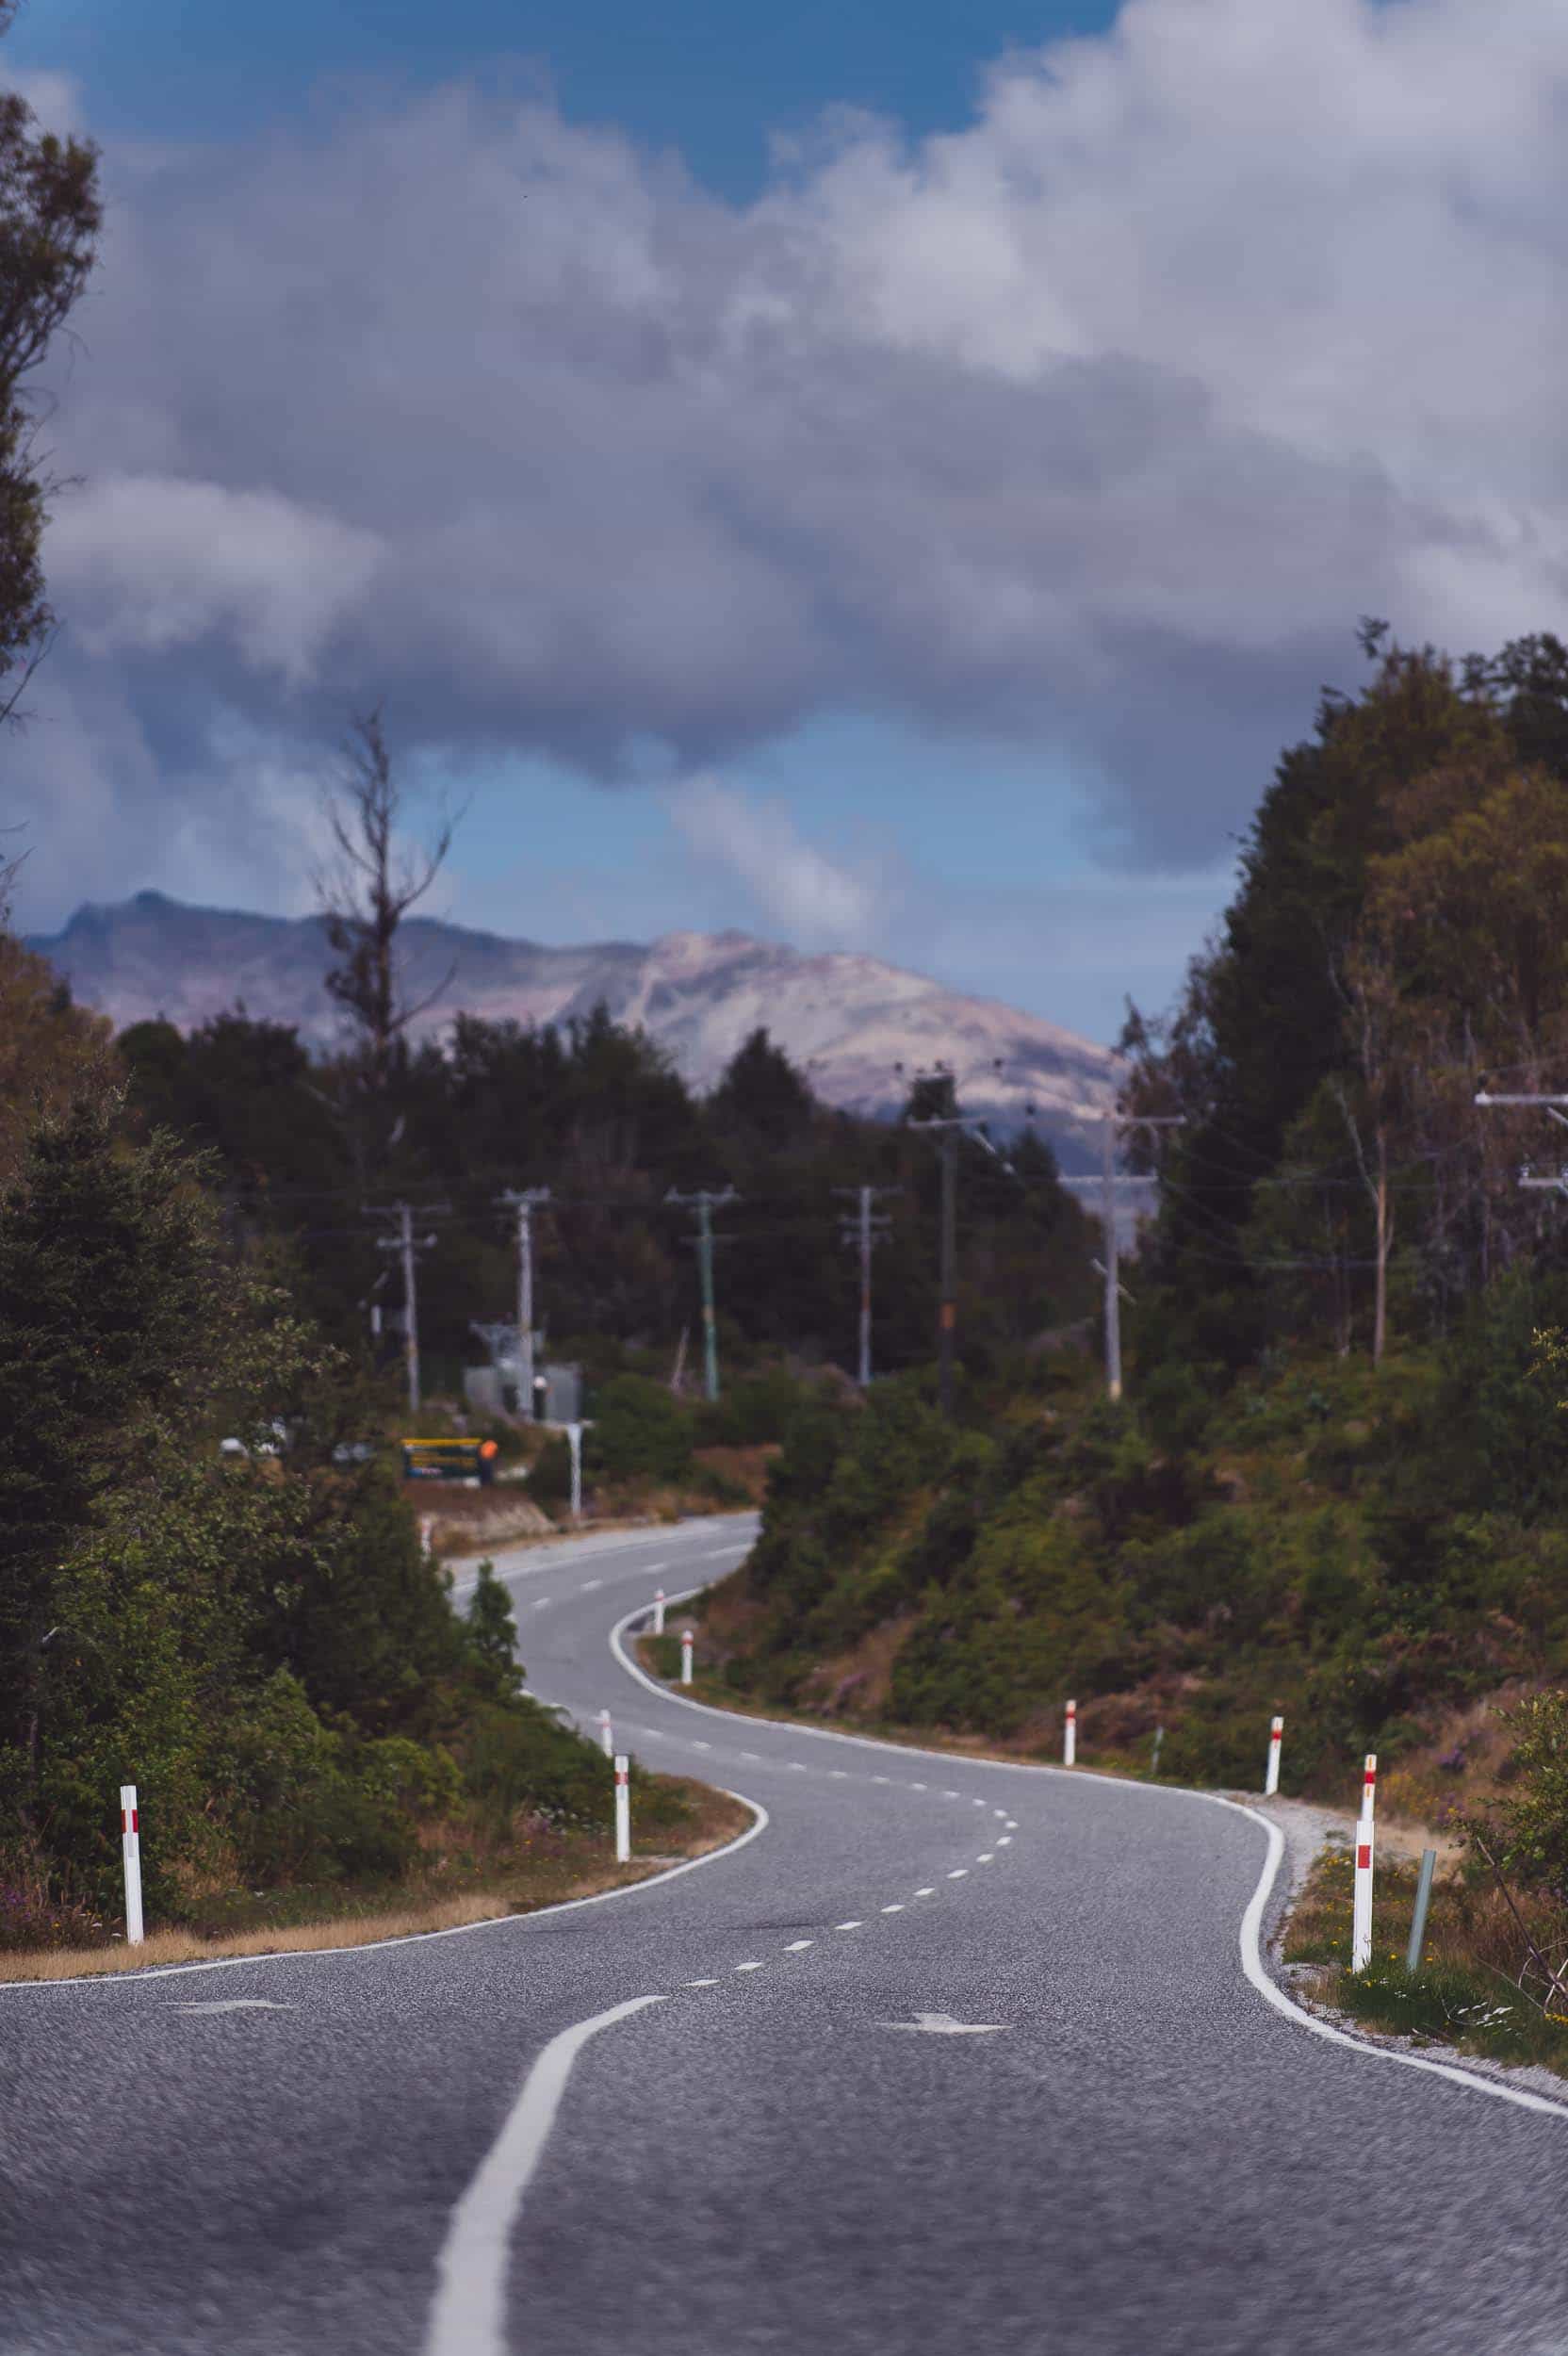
column 238, row 2003
column 943, row 2024
column 468, row 2316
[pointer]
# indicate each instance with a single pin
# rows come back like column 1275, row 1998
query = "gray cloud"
column 1097, row 423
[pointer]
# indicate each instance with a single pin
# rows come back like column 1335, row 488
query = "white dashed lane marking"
column 750, row 1967
column 847, row 1926
column 893, row 1909
column 798, row 1946
column 702, row 1984
column 925, row 1893
column 957, row 1873
column 984, row 1858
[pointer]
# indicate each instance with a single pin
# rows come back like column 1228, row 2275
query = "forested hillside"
column 598, row 1114
column 1335, row 1486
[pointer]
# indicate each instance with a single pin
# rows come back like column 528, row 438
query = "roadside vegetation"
column 1337, row 1487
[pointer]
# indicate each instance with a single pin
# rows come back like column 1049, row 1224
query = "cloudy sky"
column 883, row 476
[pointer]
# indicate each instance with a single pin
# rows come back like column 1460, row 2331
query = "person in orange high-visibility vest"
column 488, row 1452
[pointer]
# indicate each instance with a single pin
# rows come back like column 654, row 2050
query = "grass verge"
column 683, row 1818
column 1464, row 1996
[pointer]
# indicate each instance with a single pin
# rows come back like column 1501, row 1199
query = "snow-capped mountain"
column 846, row 1021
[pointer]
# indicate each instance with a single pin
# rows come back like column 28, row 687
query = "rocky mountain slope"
column 847, row 1021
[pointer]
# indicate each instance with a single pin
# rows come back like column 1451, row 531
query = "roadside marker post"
column 426, row 1532
column 1069, row 1736
column 1423, row 1901
column 686, row 1642
column 659, row 1613
column 622, row 1811
column 606, row 1736
column 1271, row 1777
column 1361, row 1915
column 130, row 1844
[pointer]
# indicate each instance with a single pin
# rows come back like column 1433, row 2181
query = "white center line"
column 880, row 1779
column 755, row 1756
column 952, row 1796
column 847, row 1926
column 750, row 1967
column 701, row 1746
column 702, row 1984
column 979, row 1803
column 589, row 1585
column 957, row 1873
column 798, row 1946
column 840, row 1775
column 1005, row 1841
column 984, row 1858
column 468, row 2316
column 918, row 1787
column 925, row 1893
column 798, row 1765
column 895, row 1909
column 1012, row 1823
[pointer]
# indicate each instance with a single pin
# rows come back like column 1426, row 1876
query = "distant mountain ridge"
column 845, row 1019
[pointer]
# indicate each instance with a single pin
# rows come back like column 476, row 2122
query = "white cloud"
column 815, row 901
column 1098, row 421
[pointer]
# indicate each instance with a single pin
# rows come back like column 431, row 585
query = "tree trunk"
column 1380, row 1312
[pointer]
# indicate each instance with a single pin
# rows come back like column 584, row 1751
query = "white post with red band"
column 1272, row 1775
column 1069, row 1736
column 426, row 1532
column 606, row 1736
column 130, row 1843
column 1361, row 1916
column 622, row 1811
column 687, row 1640
column 659, row 1613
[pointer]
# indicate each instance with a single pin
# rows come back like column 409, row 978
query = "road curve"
column 947, row 2058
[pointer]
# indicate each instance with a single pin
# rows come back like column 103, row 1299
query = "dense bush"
column 640, row 1428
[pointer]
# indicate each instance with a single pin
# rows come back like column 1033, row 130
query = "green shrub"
column 640, row 1428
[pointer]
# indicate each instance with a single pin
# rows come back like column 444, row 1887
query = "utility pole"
column 706, row 1201
column 947, row 1131
column 1111, row 1124
column 865, row 1231
column 524, row 1202
column 406, row 1245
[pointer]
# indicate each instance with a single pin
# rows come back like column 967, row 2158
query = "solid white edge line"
column 1252, row 1921
column 468, row 2316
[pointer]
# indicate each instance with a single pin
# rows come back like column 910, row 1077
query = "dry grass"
column 583, row 1870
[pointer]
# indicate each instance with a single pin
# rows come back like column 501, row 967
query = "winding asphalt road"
column 945, row 2058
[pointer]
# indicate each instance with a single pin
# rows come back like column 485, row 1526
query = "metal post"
column 1423, row 1901
column 1113, row 1296
column 130, row 1847
column 622, row 1811
column 573, row 1442
column 948, row 1311
column 524, row 1202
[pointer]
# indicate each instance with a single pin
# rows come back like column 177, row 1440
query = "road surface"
column 946, row 2058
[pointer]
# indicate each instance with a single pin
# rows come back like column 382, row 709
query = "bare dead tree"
column 364, row 898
